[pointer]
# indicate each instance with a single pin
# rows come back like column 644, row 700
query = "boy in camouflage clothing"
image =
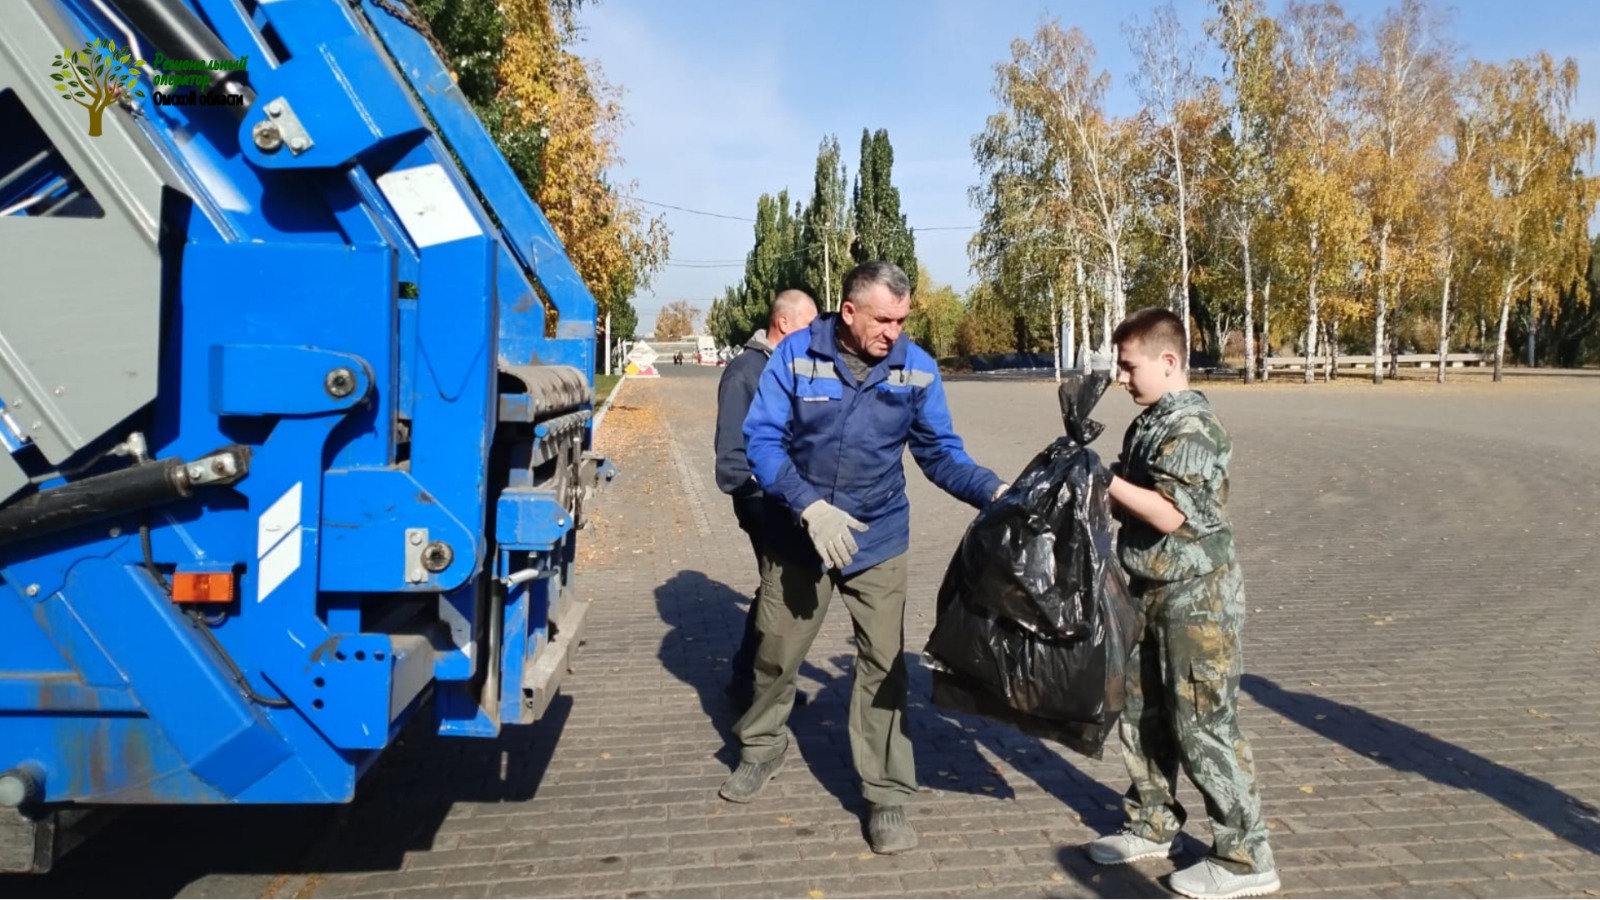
column 1170, row 490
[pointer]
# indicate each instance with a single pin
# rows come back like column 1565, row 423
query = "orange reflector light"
column 202, row 587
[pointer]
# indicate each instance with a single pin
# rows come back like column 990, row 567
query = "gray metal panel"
column 12, row 479
column 80, row 314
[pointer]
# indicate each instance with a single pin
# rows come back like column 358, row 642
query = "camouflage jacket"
column 1179, row 449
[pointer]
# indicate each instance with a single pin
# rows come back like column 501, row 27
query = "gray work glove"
column 830, row 527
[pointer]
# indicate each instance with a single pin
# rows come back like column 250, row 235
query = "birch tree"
column 1248, row 38
column 1058, row 70
column 1404, row 96
column 1029, row 234
column 1314, row 78
column 1172, row 95
column 1106, row 150
column 1541, row 204
column 1457, row 203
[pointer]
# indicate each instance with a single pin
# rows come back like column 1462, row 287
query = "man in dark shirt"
column 792, row 311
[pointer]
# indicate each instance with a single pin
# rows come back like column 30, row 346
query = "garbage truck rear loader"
column 295, row 397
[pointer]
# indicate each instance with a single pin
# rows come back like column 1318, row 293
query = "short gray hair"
column 789, row 302
column 862, row 278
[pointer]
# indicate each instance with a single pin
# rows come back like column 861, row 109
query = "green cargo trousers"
column 1182, row 709
column 794, row 601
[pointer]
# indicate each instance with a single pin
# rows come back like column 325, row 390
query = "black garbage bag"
column 1035, row 621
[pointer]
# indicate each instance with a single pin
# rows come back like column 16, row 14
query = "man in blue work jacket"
column 834, row 410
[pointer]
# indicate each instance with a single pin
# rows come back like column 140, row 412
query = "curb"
column 600, row 414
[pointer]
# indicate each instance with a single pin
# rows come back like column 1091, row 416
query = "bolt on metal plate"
column 267, row 137
column 340, row 383
column 282, row 126
column 416, row 542
column 438, row 556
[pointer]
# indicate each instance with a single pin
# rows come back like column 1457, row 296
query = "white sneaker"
column 1206, row 880
column 1125, row 847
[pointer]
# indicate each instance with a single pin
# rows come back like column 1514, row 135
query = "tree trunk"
column 1105, row 334
column 1380, row 320
column 1183, row 251
column 1082, row 284
column 1331, row 341
column 1249, row 311
column 1083, row 319
column 1070, row 327
column 827, row 275
column 1444, row 326
column 1266, row 328
column 1055, row 336
column 1311, row 329
column 1311, row 308
column 1500, row 341
column 1394, row 340
column 1119, row 298
column 1533, row 330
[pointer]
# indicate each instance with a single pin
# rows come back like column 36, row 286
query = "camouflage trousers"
column 1182, row 709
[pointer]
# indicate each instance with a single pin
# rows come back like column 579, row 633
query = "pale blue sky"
column 727, row 100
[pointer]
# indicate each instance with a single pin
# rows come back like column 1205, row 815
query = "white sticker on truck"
column 429, row 206
column 278, row 542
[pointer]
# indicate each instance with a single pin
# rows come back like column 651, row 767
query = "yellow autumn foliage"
column 614, row 246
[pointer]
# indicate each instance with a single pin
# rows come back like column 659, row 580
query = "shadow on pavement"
column 158, row 851
column 1098, row 807
column 1405, row 749
column 706, row 618
column 398, row 808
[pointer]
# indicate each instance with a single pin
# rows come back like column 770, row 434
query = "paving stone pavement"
column 1420, row 648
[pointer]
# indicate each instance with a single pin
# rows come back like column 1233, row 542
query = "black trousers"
column 751, row 512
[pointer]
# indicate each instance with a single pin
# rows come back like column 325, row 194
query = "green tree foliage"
column 1570, row 330
column 729, row 319
column 776, row 263
column 881, row 232
column 936, row 314
column 825, row 228
column 988, row 324
column 556, row 120
column 1536, row 241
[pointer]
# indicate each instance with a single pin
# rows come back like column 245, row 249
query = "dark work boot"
column 747, row 781
column 888, row 831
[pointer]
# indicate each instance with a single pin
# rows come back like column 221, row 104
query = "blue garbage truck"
column 295, row 405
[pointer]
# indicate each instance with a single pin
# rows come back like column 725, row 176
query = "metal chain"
column 400, row 10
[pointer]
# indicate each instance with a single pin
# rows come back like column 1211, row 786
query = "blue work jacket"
column 814, row 433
